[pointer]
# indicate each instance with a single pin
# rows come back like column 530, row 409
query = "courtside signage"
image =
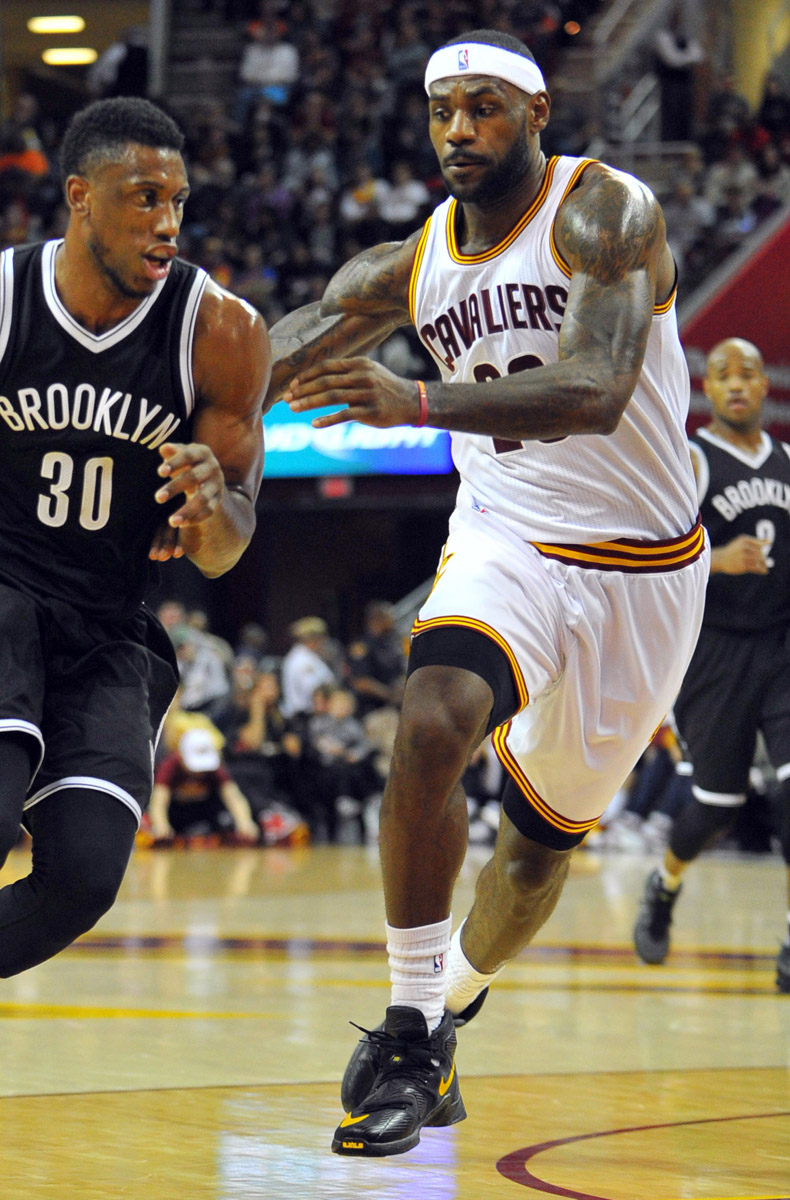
column 295, row 448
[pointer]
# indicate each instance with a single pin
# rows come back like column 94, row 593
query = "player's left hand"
column 194, row 471
column 371, row 393
column 165, row 544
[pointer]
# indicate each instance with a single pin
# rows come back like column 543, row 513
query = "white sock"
column 464, row 983
column 670, row 882
column 788, row 929
column 418, row 967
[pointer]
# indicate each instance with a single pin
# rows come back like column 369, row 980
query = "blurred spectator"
column 727, row 117
column 377, row 661
column 735, row 220
column 254, row 643
column 343, row 776
column 122, row 69
column 262, row 749
column 688, row 219
column 404, row 205
column 733, row 173
column 17, row 156
column 773, row 115
column 773, row 185
column 359, row 202
column 677, row 54
column 269, row 67
column 303, row 667
column 195, row 796
column 203, row 669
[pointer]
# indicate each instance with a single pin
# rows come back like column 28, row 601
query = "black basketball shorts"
column 92, row 694
column 735, row 685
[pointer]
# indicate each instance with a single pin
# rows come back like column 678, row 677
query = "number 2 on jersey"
column 766, row 532
column 95, row 491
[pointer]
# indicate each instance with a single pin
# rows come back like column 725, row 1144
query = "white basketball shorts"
column 598, row 639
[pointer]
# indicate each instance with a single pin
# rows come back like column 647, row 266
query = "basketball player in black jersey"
column 130, row 429
column 738, row 681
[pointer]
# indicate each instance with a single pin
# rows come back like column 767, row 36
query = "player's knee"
column 438, row 730
column 86, row 889
column 697, row 825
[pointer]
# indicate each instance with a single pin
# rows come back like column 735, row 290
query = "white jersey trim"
column 93, row 784
column 6, row 298
column 751, row 459
column 187, row 341
column 95, row 342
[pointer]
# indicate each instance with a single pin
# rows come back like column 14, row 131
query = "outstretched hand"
column 194, row 471
column 372, row 394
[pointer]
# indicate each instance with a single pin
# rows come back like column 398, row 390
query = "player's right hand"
column 744, row 555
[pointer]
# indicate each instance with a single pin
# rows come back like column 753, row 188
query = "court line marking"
column 513, row 1166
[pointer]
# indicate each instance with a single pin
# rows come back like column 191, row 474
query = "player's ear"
column 538, row 110
column 78, row 194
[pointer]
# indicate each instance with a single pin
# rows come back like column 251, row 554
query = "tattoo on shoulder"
column 375, row 280
column 610, row 226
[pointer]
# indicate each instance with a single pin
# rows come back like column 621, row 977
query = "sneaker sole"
column 443, row 1116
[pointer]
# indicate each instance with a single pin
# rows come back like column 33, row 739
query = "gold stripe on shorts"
column 630, row 554
column 481, row 627
column 565, row 824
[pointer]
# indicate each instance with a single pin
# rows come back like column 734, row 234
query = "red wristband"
column 423, row 394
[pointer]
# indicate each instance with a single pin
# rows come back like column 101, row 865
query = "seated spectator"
column 733, row 172
column 262, row 749
column 343, row 775
column 404, row 205
column 727, row 118
column 359, row 202
column 773, row 185
column 688, row 219
column 194, row 796
column 304, row 668
column 204, row 676
column 735, row 220
column 377, row 661
column 269, row 67
column 773, row 115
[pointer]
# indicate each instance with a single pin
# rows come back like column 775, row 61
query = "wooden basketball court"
column 191, row 1046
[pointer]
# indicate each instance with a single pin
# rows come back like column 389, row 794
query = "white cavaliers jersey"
column 491, row 314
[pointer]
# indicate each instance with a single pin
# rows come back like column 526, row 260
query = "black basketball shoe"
column 651, row 932
column 367, row 1056
column 783, row 968
column 416, row 1085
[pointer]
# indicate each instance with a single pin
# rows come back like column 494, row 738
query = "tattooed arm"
column 364, row 302
column 610, row 231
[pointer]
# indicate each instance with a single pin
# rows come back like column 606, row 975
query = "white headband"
column 477, row 58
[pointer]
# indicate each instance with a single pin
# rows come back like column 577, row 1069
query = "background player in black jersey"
column 738, row 681
column 130, row 426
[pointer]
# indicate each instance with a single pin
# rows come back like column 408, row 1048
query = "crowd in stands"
column 265, row 748
column 322, row 148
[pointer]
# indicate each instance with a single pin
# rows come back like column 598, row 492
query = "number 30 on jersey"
column 93, row 492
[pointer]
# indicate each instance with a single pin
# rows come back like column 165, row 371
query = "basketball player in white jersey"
column 570, row 590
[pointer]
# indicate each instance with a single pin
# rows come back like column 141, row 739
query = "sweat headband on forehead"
column 477, row 58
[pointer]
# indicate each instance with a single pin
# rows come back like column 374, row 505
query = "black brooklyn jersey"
column 742, row 492
column 81, row 417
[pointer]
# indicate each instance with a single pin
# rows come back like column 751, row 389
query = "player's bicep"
column 611, row 233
